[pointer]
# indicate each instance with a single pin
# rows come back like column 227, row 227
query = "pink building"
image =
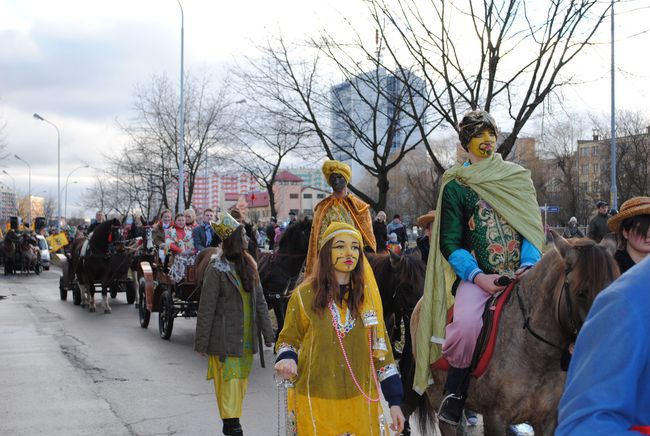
column 217, row 191
column 287, row 189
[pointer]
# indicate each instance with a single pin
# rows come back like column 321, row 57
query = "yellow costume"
column 325, row 399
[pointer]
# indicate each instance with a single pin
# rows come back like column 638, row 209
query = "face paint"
column 483, row 143
column 337, row 182
column 345, row 253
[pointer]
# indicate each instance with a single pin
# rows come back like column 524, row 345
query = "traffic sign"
column 553, row 209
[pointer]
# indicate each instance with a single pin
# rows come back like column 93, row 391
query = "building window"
column 320, row 195
column 294, row 196
column 583, row 187
column 594, row 151
column 296, row 211
column 584, row 151
column 594, row 186
column 306, row 195
column 595, row 168
column 306, row 211
column 584, row 168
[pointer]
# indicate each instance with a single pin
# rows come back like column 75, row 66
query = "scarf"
column 508, row 188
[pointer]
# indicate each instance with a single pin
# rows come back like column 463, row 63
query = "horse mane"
column 99, row 239
column 289, row 240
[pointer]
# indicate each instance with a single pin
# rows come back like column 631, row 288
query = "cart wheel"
column 166, row 315
column 76, row 294
column 143, row 312
column 63, row 292
column 131, row 289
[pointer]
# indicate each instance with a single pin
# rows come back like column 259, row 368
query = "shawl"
column 508, row 188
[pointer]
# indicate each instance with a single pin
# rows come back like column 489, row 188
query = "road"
column 65, row 371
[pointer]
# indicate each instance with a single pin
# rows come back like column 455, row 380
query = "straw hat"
column 633, row 207
column 424, row 220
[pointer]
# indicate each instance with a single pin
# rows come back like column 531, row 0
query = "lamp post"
column 14, row 183
column 181, row 141
column 65, row 209
column 58, row 176
column 29, row 189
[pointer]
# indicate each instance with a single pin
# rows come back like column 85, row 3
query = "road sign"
column 553, row 209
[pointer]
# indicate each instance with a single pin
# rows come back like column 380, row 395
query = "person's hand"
column 286, row 369
column 202, row 353
column 486, row 282
column 397, row 419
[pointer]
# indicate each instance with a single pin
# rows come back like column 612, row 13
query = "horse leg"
column 493, row 424
column 91, row 298
column 107, row 307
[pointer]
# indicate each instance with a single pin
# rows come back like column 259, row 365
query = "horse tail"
column 425, row 412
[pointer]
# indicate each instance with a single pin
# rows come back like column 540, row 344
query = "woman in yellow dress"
column 329, row 344
column 232, row 307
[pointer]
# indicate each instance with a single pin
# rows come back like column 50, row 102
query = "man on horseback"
column 489, row 226
column 341, row 206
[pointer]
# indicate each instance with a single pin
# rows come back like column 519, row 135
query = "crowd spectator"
column 398, row 228
column 572, row 230
column 632, row 228
column 190, row 218
column 203, row 235
column 380, row 232
column 598, row 225
column 99, row 218
column 393, row 244
column 270, row 232
column 424, row 242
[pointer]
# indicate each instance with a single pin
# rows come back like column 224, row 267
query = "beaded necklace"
column 340, row 333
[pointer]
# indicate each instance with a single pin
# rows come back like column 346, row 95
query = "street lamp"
column 58, row 177
column 65, row 209
column 14, row 182
column 181, row 142
column 29, row 189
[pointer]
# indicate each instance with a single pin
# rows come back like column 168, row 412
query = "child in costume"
column 232, row 307
column 489, row 225
column 327, row 343
column 393, row 244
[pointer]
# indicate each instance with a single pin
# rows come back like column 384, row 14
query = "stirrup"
column 451, row 409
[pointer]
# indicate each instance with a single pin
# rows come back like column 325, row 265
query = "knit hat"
column 225, row 225
column 472, row 123
column 337, row 228
column 333, row 166
column 633, row 207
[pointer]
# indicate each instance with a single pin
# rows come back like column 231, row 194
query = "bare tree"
column 150, row 160
column 502, row 56
column 366, row 117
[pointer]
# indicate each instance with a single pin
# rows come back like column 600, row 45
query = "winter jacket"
column 220, row 321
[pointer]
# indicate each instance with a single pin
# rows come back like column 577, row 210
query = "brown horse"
column 524, row 381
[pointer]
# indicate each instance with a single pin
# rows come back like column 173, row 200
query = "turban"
column 333, row 166
column 472, row 123
column 337, row 228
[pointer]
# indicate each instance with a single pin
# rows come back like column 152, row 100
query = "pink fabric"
column 462, row 333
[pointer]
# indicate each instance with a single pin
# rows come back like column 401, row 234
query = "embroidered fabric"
column 286, row 347
column 341, row 327
column 221, row 265
column 387, row 371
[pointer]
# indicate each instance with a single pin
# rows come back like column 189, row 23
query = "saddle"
column 487, row 338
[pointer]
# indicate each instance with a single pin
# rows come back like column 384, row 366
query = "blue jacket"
column 608, row 386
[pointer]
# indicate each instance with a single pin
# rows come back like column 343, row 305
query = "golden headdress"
column 334, row 166
column 225, row 225
column 336, row 228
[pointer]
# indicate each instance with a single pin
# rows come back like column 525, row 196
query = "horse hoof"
column 107, row 311
column 92, row 309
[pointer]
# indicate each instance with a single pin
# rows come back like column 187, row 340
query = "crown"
column 224, row 226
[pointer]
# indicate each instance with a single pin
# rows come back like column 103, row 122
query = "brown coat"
column 220, row 321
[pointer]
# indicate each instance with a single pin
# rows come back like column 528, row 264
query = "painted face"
column 337, row 182
column 638, row 242
column 483, row 143
column 345, row 252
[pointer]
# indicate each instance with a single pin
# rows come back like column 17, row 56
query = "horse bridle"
column 573, row 325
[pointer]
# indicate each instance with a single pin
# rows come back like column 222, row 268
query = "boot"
column 232, row 427
column 454, row 396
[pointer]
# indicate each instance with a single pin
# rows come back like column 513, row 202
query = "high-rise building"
column 212, row 188
column 7, row 203
column 311, row 176
column 375, row 105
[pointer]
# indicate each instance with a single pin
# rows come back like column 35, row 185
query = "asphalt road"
column 65, row 371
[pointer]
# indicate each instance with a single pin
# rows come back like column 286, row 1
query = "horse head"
column 107, row 233
column 408, row 272
column 295, row 239
column 588, row 269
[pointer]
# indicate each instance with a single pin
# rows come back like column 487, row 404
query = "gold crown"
column 224, row 226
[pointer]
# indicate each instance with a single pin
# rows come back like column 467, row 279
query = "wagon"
column 159, row 293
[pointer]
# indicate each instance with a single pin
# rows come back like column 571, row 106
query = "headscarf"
column 336, row 228
column 472, row 123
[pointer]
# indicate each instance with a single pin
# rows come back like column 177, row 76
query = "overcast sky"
column 76, row 62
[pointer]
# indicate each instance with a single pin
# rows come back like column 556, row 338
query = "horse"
column 524, row 381
column 99, row 263
column 279, row 271
column 30, row 254
column 8, row 249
